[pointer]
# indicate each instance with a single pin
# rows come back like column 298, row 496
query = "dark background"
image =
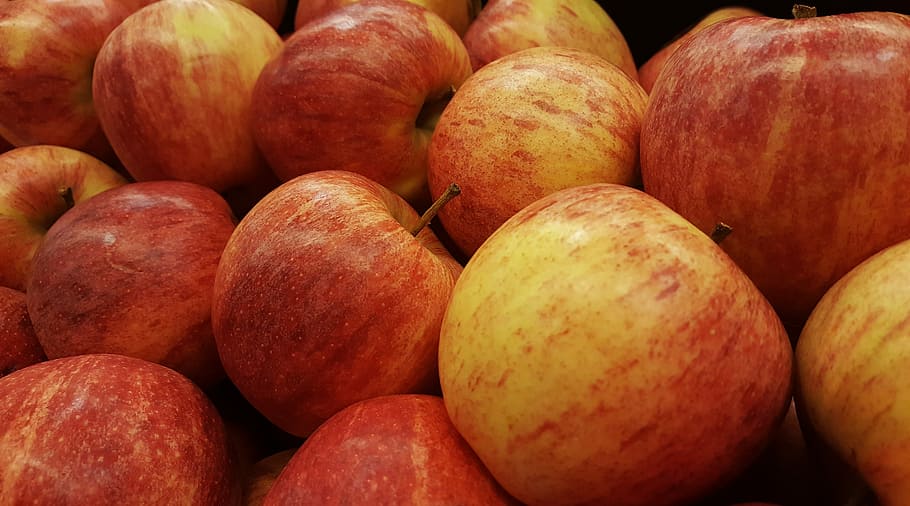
column 647, row 26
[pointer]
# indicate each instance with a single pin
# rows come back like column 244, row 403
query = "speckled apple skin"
column 132, row 271
column 599, row 349
column 110, row 430
column 388, row 450
column 324, row 298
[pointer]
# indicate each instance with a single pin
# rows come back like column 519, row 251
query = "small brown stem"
column 66, row 193
column 804, row 11
column 720, row 232
column 450, row 193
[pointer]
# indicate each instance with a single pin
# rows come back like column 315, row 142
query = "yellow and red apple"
column 173, row 85
column 599, row 349
column 37, row 185
column 507, row 26
column 531, row 123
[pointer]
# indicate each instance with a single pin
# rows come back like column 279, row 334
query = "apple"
column 395, row 449
column 853, row 379
column 507, row 26
column 323, row 297
column 360, row 89
column 263, row 474
column 457, row 13
column 172, row 87
column 794, row 133
column 531, row 123
column 110, row 429
column 649, row 70
column 132, row 271
column 37, row 185
column 19, row 347
column 598, row 348
column 46, row 70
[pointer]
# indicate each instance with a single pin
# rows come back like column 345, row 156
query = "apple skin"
column 172, row 87
column 19, row 348
column 598, row 348
column 762, row 136
column 31, row 178
column 110, row 429
column 46, row 70
column 507, row 26
column 323, row 298
column 132, row 271
column 396, row 449
column 348, row 92
column 457, row 13
column 650, row 69
column 531, row 123
column 852, row 375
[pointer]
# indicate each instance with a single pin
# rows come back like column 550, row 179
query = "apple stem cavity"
column 804, row 11
column 66, row 193
column 451, row 192
column 432, row 110
column 720, row 232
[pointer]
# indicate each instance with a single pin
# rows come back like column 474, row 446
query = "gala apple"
column 172, row 86
column 599, row 349
column 794, row 133
column 507, row 26
column 360, row 90
column 323, row 298
column 37, row 185
column 395, row 449
column 110, row 429
column 533, row 122
column 131, row 271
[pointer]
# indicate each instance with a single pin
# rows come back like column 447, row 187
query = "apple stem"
column 720, row 232
column 450, row 193
column 67, row 194
column 804, row 11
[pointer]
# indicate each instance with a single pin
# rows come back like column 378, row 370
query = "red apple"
column 531, row 123
column 49, row 48
column 131, row 271
column 397, row 449
column 507, row 26
column 37, row 185
column 457, row 13
column 794, row 133
column 648, row 71
column 172, row 87
column 19, row 347
column 109, row 429
column 360, row 89
column 323, row 298
column 599, row 349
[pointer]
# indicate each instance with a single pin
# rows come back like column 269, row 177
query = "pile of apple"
column 444, row 253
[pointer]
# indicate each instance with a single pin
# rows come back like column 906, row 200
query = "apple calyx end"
column 720, row 232
column 66, row 193
column 801, row 11
column 451, row 192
